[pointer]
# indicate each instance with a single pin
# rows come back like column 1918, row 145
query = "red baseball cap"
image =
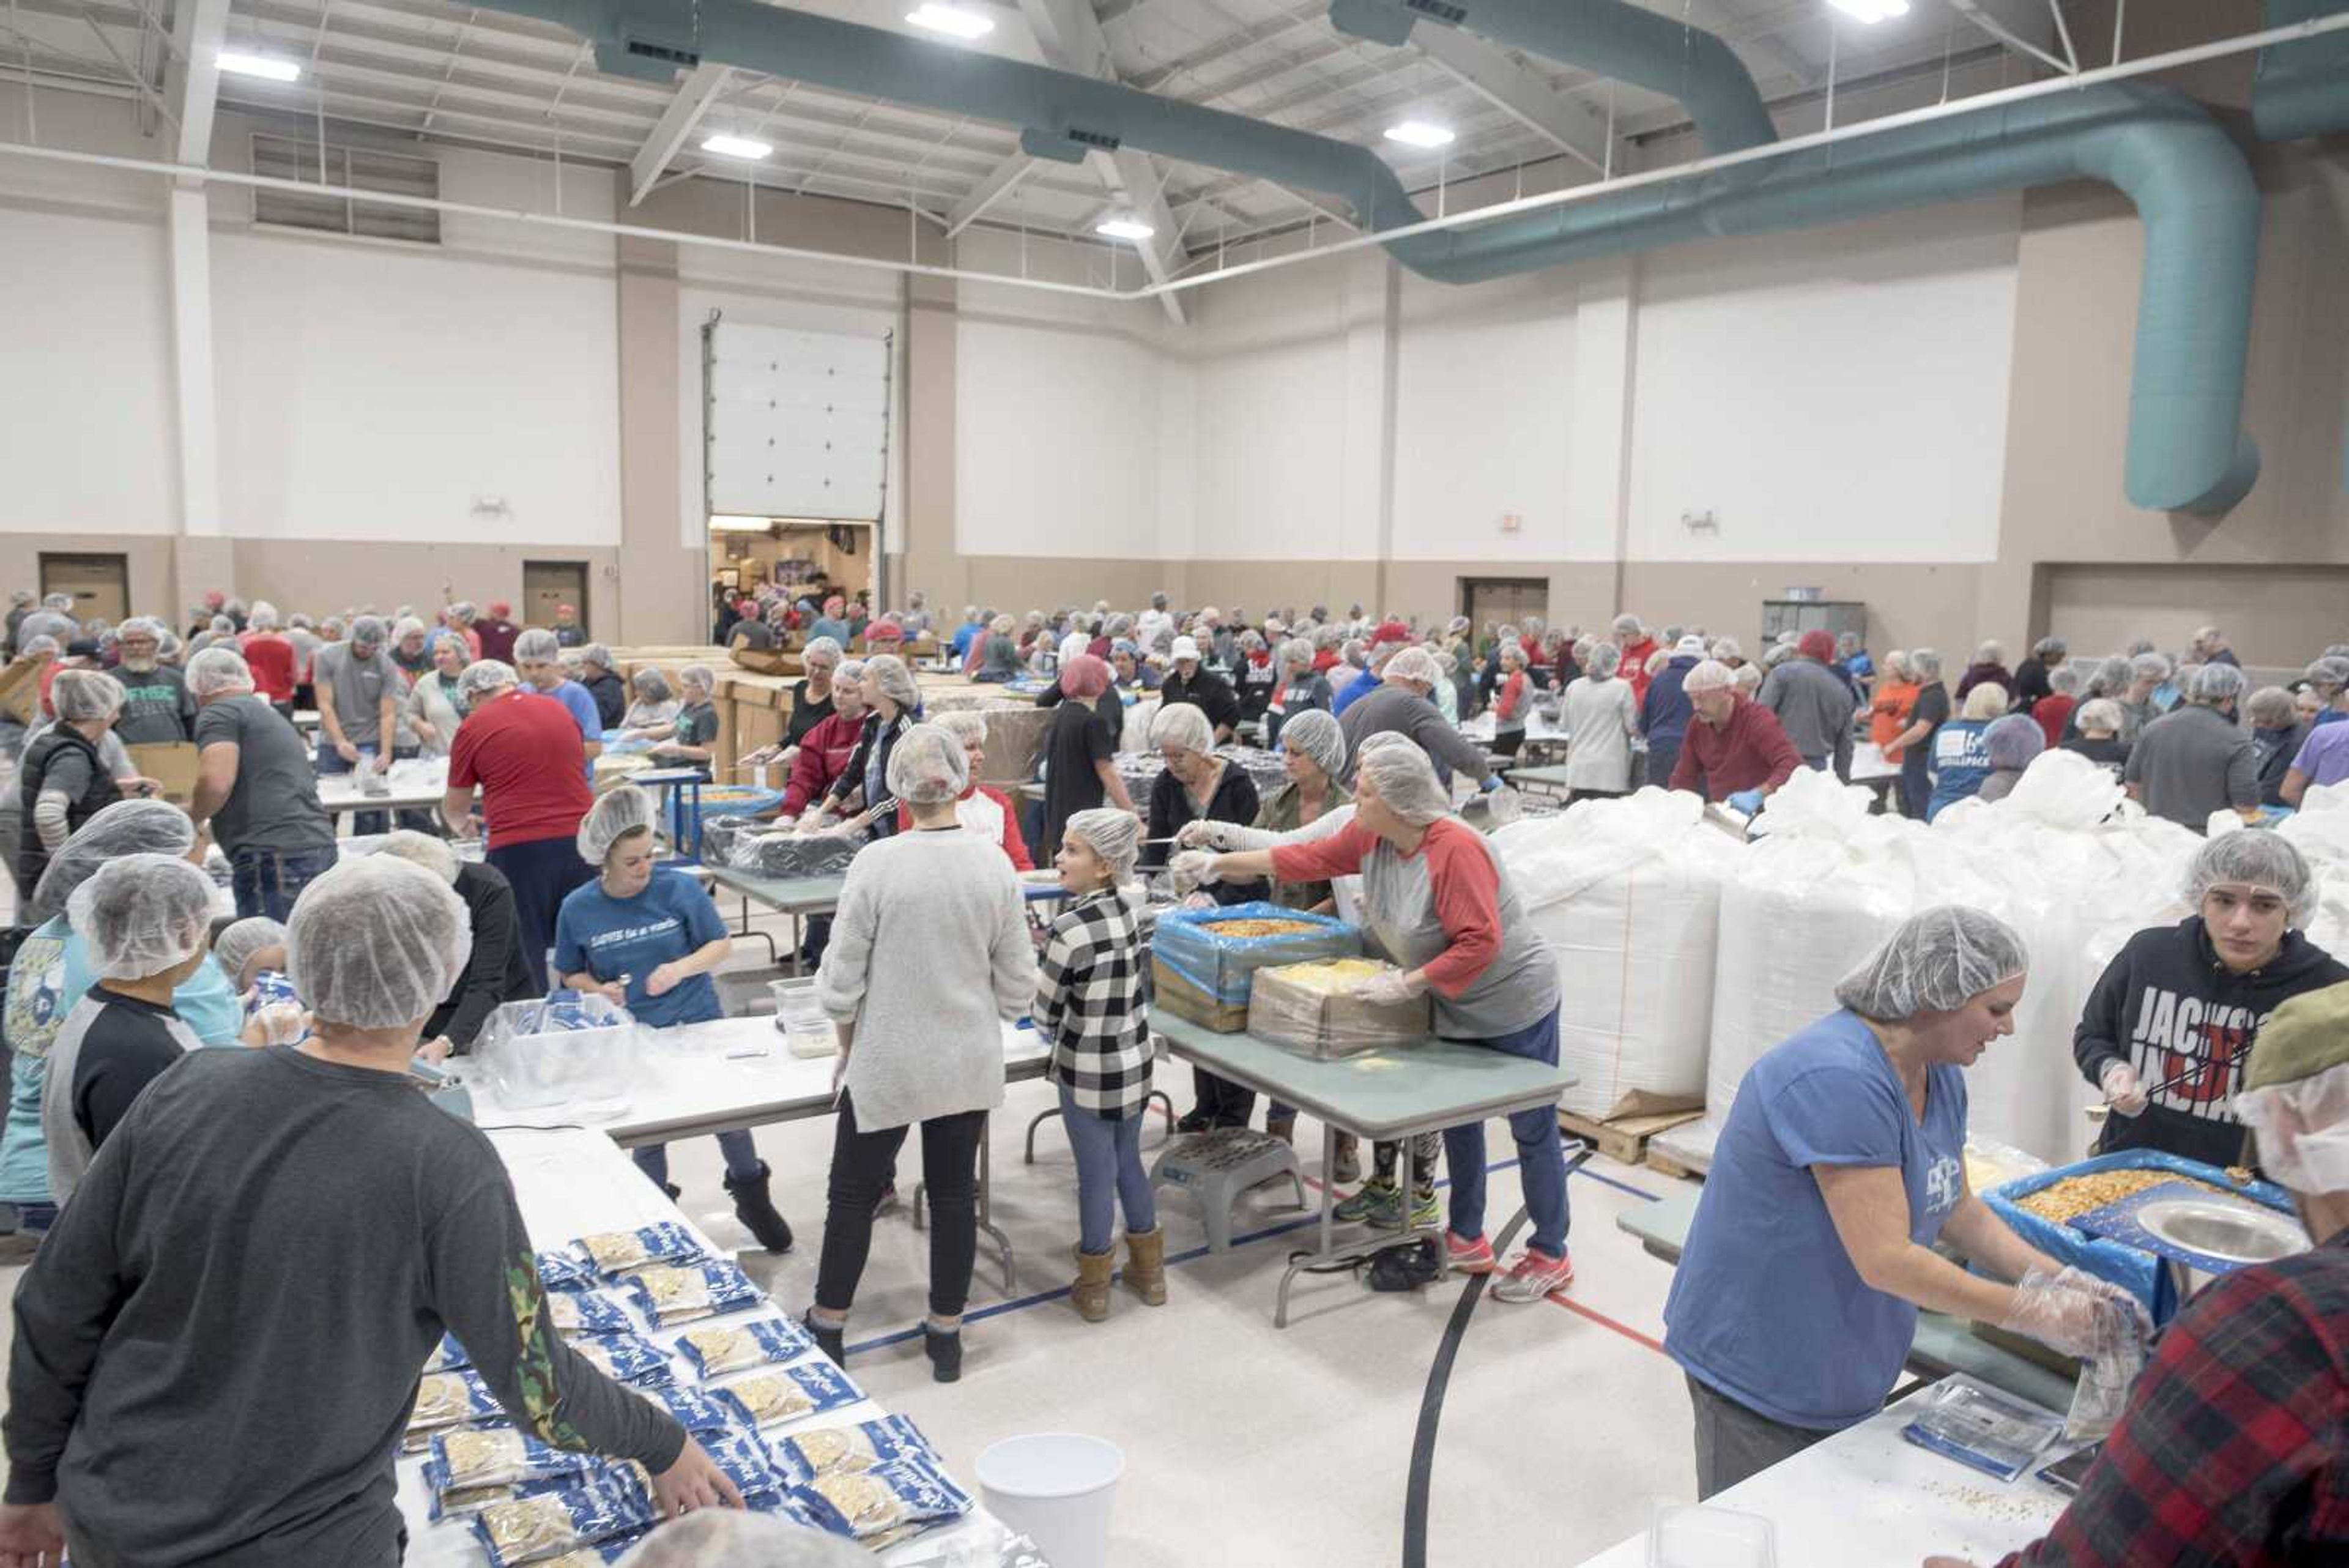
column 499, row 609
column 1818, row 645
column 1391, row 631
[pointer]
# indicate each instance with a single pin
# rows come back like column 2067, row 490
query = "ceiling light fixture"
column 1871, row 10
column 1125, row 229
column 1419, row 133
column 724, row 524
column 269, row 67
column 952, row 20
column 735, row 147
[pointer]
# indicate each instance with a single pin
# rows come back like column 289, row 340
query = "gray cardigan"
column 930, row 953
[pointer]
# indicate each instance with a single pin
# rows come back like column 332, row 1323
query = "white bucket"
column 1057, row 1489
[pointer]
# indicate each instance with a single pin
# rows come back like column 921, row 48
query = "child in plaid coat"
column 1089, row 1005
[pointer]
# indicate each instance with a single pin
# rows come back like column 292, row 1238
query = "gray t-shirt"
column 357, row 688
column 155, row 707
column 274, row 803
column 2191, row 763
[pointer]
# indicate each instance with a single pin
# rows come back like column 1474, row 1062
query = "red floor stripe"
column 1603, row 1321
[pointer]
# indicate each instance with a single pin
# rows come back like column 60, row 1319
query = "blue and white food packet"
column 882, row 1506
column 700, row 1411
column 868, row 1445
column 576, row 1312
column 269, row 986
column 626, row 1358
column 789, row 1394
column 447, row 1355
column 717, row 1350
column 451, row 1399
column 469, row 1469
column 668, row 1295
column 615, row 1254
column 531, row 1529
column 564, row 1270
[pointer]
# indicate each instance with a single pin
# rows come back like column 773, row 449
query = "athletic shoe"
column 1425, row 1212
column 1468, row 1257
column 1535, row 1274
column 1375, row 1198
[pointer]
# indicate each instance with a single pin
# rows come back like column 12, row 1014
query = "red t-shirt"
column 271, row 659
column 494, row 640
column 527, row 756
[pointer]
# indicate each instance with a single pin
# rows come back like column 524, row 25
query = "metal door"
column 546, row 584
column 101, row 585
column 1497, row 601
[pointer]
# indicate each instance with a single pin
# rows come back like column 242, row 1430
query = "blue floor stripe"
column 1620, row 1185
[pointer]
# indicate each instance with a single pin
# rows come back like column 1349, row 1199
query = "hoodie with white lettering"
column 2170, row 1007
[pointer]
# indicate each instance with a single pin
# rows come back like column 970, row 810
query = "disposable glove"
column 282, row 1022
column 1196, row 868
column 1205, row 835
column 1504, row 807
column 1390, row 987
column 2123, row 1088
column 2072, row 1313
column 1745, row 801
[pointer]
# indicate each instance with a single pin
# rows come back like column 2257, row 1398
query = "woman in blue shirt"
column 1960, row 755
column 1842, row 1162
column 648, row 938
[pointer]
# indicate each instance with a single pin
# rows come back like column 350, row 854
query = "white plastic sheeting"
column 1628, row 895
column 2319, row 830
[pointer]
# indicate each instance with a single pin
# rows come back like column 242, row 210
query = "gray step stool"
column 1217, row 1167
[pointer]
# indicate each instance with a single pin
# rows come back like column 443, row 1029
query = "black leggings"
column 1224, row 1103
column 861, row 1163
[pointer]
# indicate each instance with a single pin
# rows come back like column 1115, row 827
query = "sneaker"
column 1349, row 1166
column 1380, row 1202
column 1425, row 1211
column 1468, row 1257
column 1535, row 1274
column 1197, row 1121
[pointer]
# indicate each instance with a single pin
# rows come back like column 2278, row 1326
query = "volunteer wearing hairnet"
column 192, row 1382
column 648, row 938
column 1735, row 750
column 984, row 809
column 2230, row 1448
column 693, row 739
column 53, row 970
column 61, row 781
column 1400, row 704
column 2167, row 1026
column 2010, row 745
column 526, row 757
column 1080, row 750
column 1840, row 1165
column 144, row 919
column 861, row 795
column 1438, row 903
column 929, row 954
column 494, row 972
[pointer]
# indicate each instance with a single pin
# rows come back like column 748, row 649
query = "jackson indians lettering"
column 2197, row 1042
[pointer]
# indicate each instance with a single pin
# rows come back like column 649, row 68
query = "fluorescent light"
column 735, row 147
column 1871, row 10
column 952, row 20
column 741, row 525
column 1419, row 133
column 1125, row 229
column 267, row 66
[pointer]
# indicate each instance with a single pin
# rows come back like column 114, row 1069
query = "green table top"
column 785, row 893
column 1388, row 1093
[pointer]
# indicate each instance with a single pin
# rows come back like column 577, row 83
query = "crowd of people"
column 1812, row 1251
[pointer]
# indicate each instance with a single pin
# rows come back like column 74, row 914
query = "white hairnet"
column 1399, row 773
column 424, row 849
column 1116, row 835
column 2256, row 860
column 1711, row 675
column 236, row 946
column 615, row 813
column 536, row 646
column 732, row 1537
column 887, row 673
column 595, row 653
column 1296, row 651
column 824, row 648
column 1317, row 736
column 699, row 675
column 1605, row 659
column 376, row 942
column 2012, row 741
column 966, row 725
column 366, row 629
column 1075, row 643
column 651, row 685
column 2216, row 683
column 142, row 915
column 216, row 671
column 1183, row 725
column 483, row 676
column 407, row 626
column 1936, row 963
column 1414, row 664
column 927, row 765
column 2303, row 1127
column 126, row 828
column 82, row 694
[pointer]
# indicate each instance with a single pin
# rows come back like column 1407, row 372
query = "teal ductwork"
column 2301, row 89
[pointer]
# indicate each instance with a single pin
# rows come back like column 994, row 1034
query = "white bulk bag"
column 2320, row 831
column 1627, row 893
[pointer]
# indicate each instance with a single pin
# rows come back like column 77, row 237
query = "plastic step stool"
column 1216, row 1168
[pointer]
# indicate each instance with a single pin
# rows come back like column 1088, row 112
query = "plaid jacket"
column 1089, row 1005
column 2234, row 1448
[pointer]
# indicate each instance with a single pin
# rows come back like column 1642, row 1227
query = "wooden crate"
column 1625, row 1138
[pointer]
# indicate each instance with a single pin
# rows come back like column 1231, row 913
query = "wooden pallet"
column 1625, row 1138
column 1663, row 1164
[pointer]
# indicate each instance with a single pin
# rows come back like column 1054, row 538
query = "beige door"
column 546, row 584
column 1496, row 601
column 101, row 585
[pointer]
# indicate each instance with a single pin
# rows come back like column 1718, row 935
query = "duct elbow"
column 2159, row 482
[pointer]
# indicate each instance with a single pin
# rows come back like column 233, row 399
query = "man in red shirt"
column 527, row 757
column 269, row 654
column 496, row 634
column 1736, row 751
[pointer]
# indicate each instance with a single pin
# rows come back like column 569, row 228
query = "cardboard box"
column 1324, row 1023
column 1203, row 973
column 171, row 763
column 1178, row 996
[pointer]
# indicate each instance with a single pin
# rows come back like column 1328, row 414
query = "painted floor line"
column 1603, row 1321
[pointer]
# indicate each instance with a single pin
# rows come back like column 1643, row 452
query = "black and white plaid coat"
column 1089, row 1005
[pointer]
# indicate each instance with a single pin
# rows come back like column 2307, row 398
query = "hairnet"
column 927, row 767
column 2216, row 683
column 2149, row 667
column 536, row 646
column 824, row 648
column 1183, row 725
column 1084, row 678
column 376, row 942
column 651, row 685
column 2064, row 681
column 238, row 941
column 140, row 914
column 222, row 627
column 1116, row 835
column 595, row 653
column 1074, row 645
column 143, row 626
column 424, row 849
column 1990, row 653
column 1298, row 650
column 1316, row 735
column 2271, row 708
column 1924, row 664
column 1414, row 664
column 408, row 627
column 1691, row 646
column 1936, row 963
column 126, row 828
column 1605, row 659
column 218, row 669
column 81, row 694
column 485, row 675
column 887, row 673
column 366, row 628
column 1399, row 773
column 966, row 725
column 2099, row 713
column 1987, row 700
column 2328, row 671
column 2255, row 859
column 1712, row 675
column 2013, row 740
column 1627, row 625
column 699, row 675
column 616, row 813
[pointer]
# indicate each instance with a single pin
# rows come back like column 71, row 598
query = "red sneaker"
column 1535, row 1274
column 1468, row 1256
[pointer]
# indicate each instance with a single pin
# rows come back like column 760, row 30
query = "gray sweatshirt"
column 218, row 1345
column 1387, row 708
column 1816, row 709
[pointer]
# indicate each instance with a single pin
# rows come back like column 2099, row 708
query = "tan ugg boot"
column 1145, row 1265
column 1089, row 1295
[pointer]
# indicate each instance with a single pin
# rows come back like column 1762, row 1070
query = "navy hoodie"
column 1665, row 713
column 2169, row 1005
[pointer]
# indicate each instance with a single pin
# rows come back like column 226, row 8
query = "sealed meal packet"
column 626, row 1358
column 615, row 1254
column 450, row 1399
column 470, row 1478
column 827, row 1451
column 576, row 1312
column 616, row 1500
column 791, row 1393
column 883, row 1505
column 668, row 1295
column 566, row 1271
column 768, row 1342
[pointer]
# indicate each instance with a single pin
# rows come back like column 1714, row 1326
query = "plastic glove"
column 1504, row 807
column 2068, row 1312
column 1392, row 988
column 1492, row 782
column 2124, row 1090
column 1196, row 866
column 1745, row 801
column 281, row 1022
column 1198, row 903
column 1203, row 835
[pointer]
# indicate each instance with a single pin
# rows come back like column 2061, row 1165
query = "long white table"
column 571, row 1182
column 415, row 784
column 1867, row 1497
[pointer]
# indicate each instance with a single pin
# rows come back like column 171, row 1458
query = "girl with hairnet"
column 693, row 737
column 2166, row 1028
column 1840, row 1166
column 984, row 809
column 647, row 938
column 895, row 704
column 1089, row 1006
column 1438, row 903
column 930, row 955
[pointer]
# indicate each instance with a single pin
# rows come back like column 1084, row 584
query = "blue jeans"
column 743, row 1162
column 267, row 881
column 1541, row 1153
column 1108, row 1174
column 330, row 763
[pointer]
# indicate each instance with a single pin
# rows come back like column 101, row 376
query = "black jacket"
column 1171, row 809
column 497, row 971
column 611, row 694
column 1206, row 691
column 2169, row 1006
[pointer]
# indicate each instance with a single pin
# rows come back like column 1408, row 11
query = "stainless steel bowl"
column 2236, row 1233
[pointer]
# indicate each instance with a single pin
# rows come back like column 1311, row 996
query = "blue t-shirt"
column 1360, row 686
column 581, row 704
column 1961, row 762
column 964, row 635
column 608, row 936
column 1859, row 666
column 2324, row 756
column 1766, row 1307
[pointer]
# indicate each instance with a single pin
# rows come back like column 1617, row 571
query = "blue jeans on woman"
column 1108, row 1174
column 1541, row 1153
column 742, row 1161
column 267, row 881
